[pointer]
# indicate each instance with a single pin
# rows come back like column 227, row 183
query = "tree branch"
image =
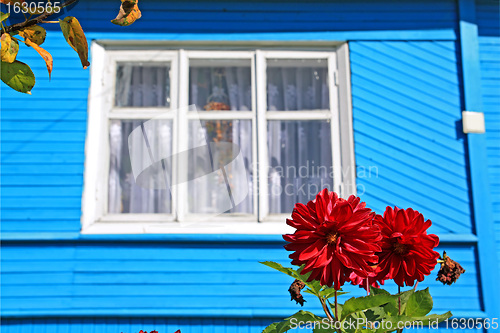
column 36, row 20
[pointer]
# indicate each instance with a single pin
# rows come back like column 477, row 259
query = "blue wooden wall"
column 407, row 99
column 488, row 16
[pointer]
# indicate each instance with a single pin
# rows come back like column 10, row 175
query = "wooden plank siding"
column 112, row 325
column 106, row 278
column 488, row 18
column 407, row 102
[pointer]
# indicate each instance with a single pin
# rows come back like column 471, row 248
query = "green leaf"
column 315, row 286
column 419, row 304
column 4, row 16
column 301, row 318
column 356, row 304
column 375, row 314
column 288, row 271
column 34, row 33
column 378, row 291
column 330, row 292
column 332, row 307
column 405, row 295
column 271, row 328
column 74, row 35
column 430, row 319
column 18, row 76
column 391, row 309
column 417, row 322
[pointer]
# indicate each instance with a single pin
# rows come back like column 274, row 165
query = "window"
column 284, row 116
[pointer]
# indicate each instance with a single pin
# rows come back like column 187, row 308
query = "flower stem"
column 325, row 308
column 336, row 311
column 367, row 287
column 415, row 288
column 399, row 300
column 399, row 307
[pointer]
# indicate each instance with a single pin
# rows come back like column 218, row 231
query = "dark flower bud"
column 450, row 270
column 294, row 291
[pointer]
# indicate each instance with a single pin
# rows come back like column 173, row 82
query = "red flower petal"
column 334, row 238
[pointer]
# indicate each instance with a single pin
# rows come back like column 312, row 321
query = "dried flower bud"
column 450, row 270
column 295, row 289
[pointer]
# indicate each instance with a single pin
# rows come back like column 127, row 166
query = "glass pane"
column 300, row 162
column 220, row 85
column 136, row 185
column 220, row 174
column 142, row 85
column 294, row 85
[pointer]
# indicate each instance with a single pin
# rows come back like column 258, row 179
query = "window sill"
column 210, row 228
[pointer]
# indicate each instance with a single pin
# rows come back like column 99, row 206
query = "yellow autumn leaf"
column 34, row 33
column 73, row 32
column 10, row 47
column 45, row 55
column 128, row 14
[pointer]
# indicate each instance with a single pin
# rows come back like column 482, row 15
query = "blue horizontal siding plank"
column 451, row 148
column 399, row 91
column 397, row 141
column 291, row 6
column 366, row 98
column 46, row 136
column 40, row 226
column 436, row 71
column 41, row 169
column 28, row 203
column 36, row 147
column 42, row 191
column 438, row 57
column 37, row 112
column 321, row 14
column 27, row 125
column 39, row 279
column 16, row 157
column 433, row 181
column 40, row 214
column 29, row 180
column 394, row 93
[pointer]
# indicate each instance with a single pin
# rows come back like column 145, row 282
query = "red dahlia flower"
column 407, row 250
column 334, row 238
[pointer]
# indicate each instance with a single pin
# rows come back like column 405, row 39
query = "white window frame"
column 95, row 220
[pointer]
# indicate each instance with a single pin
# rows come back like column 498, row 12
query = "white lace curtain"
column 295, row 89
column 138, row 86
column 151, row 195
column 230, row 85
column 299, row 151
column 300, row 154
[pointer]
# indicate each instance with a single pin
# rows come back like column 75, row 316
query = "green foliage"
column 380, row 312
column 419, row 304
column 293, row 321
column 18, row 76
